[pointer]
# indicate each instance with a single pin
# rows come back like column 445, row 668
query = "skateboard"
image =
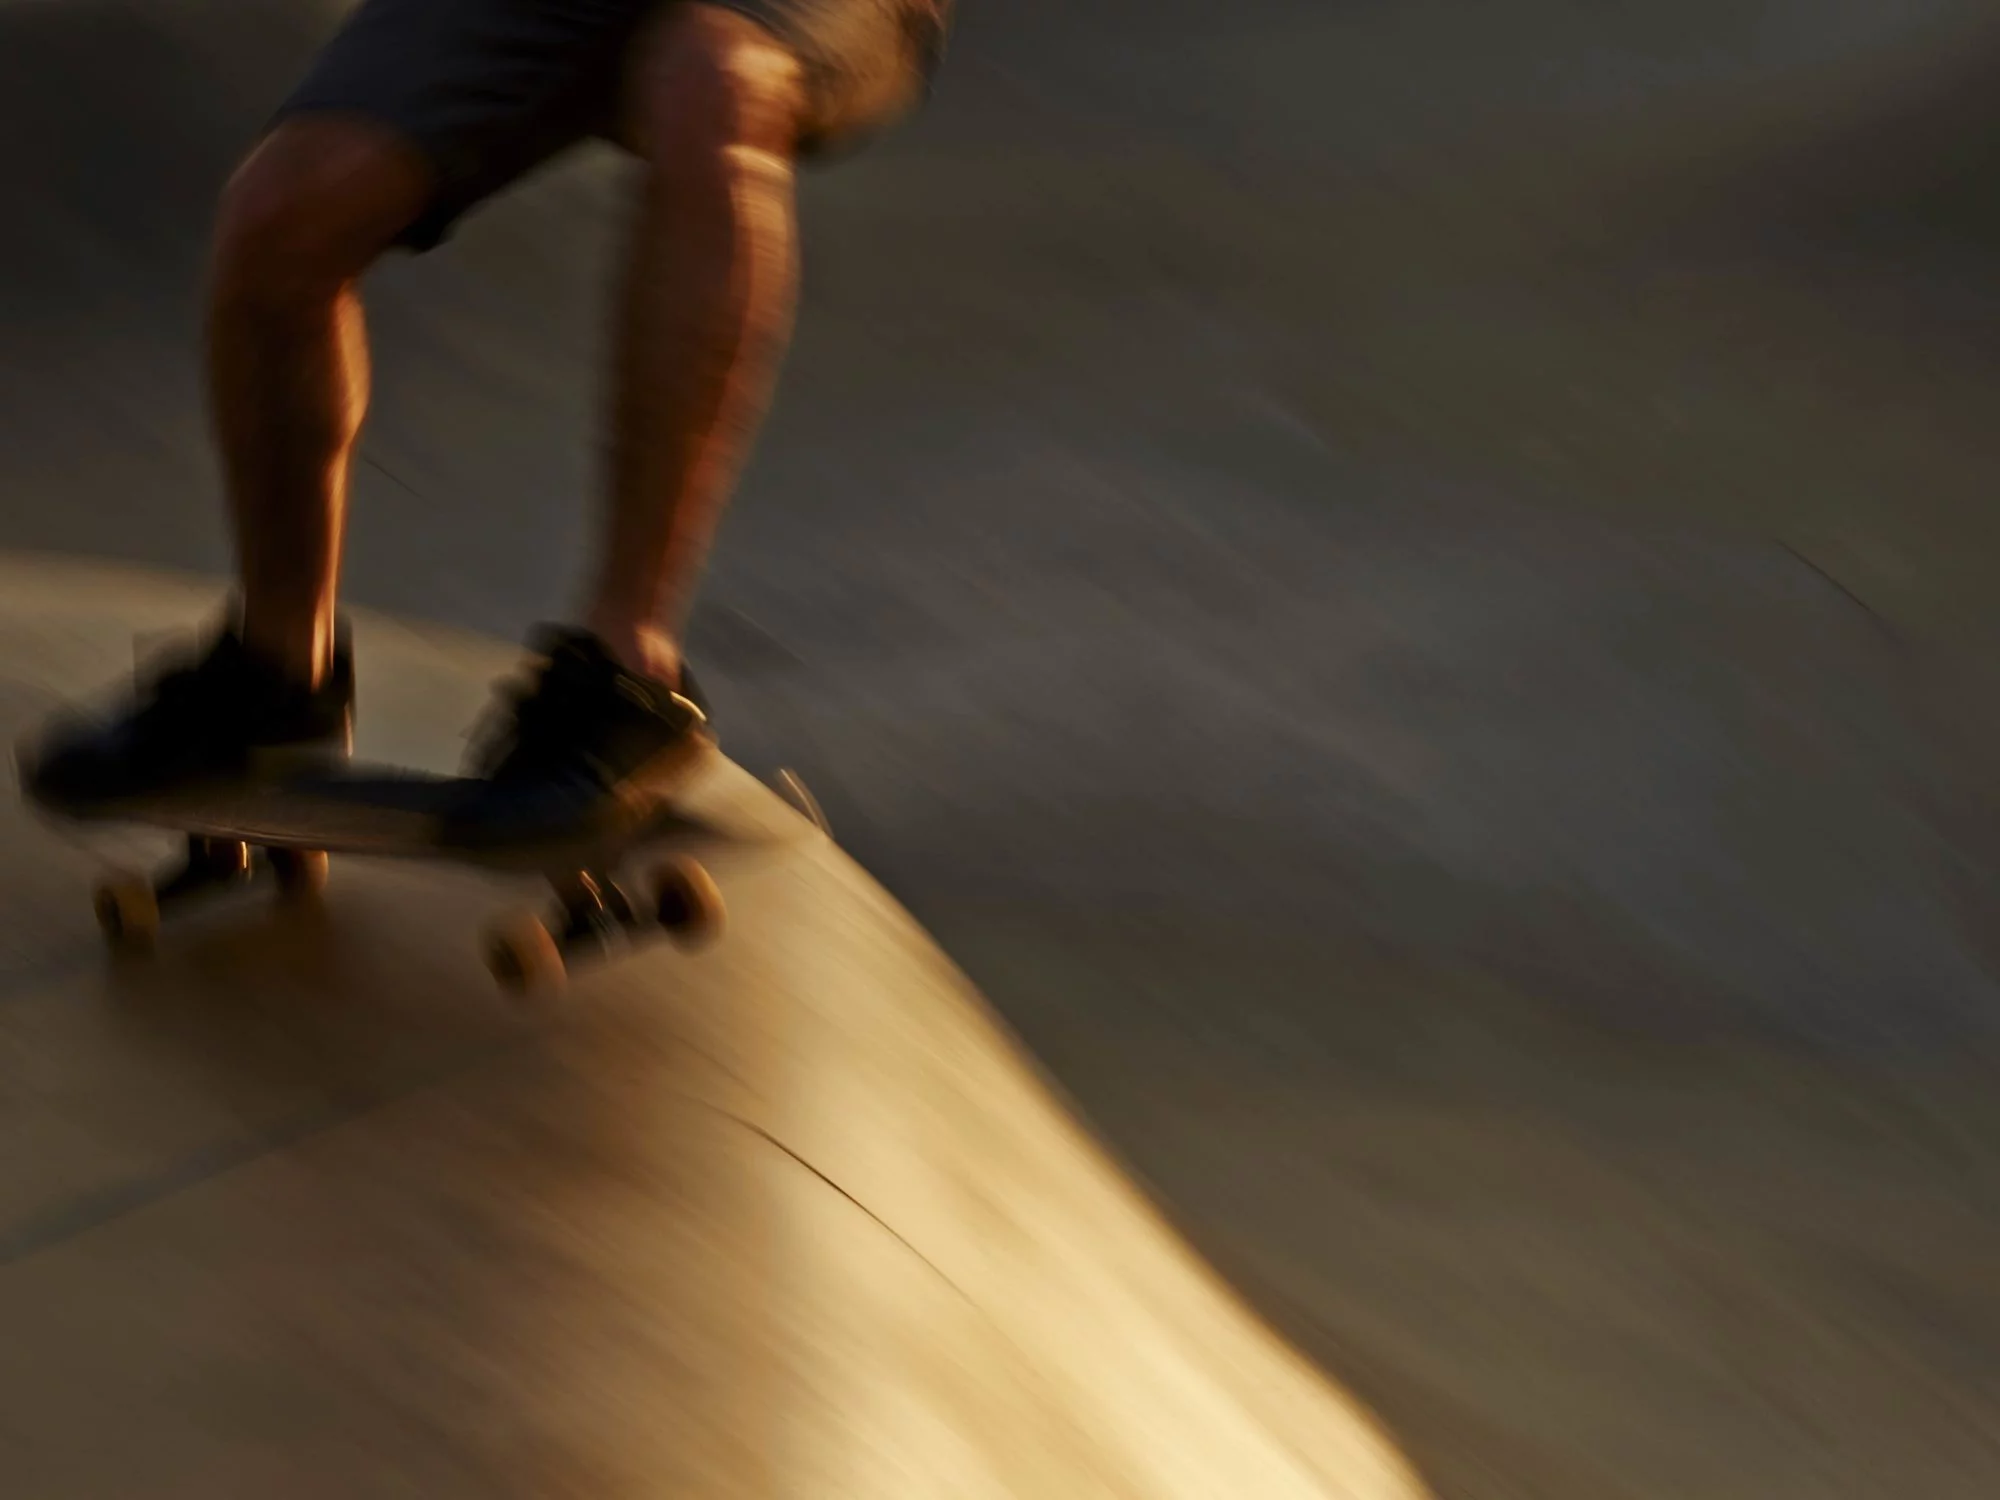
column 610, row 892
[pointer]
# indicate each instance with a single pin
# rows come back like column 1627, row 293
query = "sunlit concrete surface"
column 1410, row 589
column 298, row 1207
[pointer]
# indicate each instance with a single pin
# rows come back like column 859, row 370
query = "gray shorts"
column 490, row 90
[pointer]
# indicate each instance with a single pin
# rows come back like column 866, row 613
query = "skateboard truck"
column 283, row 835
column 130, row 905
column 593, row 913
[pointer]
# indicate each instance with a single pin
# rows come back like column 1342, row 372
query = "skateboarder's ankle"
column 304, row 659
column 643, row 650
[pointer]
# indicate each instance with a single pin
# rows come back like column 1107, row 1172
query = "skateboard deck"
column 383, row 813
column 285, row 833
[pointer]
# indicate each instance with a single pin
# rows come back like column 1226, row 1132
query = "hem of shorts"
column 448, row 202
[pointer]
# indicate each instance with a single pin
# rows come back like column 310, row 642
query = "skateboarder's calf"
column 416, row 113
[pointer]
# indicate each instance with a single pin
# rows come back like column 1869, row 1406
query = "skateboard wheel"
column 301, row 872
column 788, row 785
column 687, row 903
column 522, row 954
column 129, row 911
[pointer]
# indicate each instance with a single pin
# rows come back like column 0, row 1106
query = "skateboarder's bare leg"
column 715, row 107
column 312, row 208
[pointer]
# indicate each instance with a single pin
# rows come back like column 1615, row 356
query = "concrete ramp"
column 298, row 1206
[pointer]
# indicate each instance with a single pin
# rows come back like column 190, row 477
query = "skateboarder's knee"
column 314, row 205
column 708, row 88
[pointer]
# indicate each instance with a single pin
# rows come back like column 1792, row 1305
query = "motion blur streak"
column 1409, row 588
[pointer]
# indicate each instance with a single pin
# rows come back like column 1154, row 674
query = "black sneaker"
column 585, row 750
column 225, row 718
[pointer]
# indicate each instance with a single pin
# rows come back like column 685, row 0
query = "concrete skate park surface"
column 312, row 1212
column 1408, row 589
